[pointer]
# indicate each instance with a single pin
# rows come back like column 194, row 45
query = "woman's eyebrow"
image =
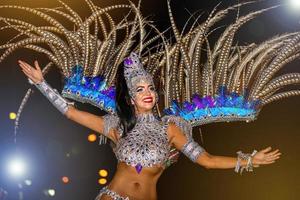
column 141, row 86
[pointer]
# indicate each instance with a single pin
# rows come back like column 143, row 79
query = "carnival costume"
column 199, row 83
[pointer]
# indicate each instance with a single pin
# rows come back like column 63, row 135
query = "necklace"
column 146, row 118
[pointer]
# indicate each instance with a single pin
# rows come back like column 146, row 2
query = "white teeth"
column 147, row 101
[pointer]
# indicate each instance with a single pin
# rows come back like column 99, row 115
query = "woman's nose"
column 148, row 91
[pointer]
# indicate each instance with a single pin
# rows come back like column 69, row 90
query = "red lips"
column 148, row 100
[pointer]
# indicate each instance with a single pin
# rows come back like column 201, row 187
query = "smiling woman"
column 233, row 83
column 143, row 148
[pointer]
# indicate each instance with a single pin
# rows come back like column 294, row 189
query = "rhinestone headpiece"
column 135, row 73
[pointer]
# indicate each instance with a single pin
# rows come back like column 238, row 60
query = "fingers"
column 267, row 156
column 25, row 66
column 272, row 157
column 37, row 66
column 274, row 152
column 266, row 150
column 27, row 70
column 28, row 74
column 268, row 162
column 24, row 63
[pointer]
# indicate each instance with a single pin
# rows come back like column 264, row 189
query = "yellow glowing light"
column 92, row 137
column 65, row 179
column 12, row 115
column 103, row 173
column 102, row 181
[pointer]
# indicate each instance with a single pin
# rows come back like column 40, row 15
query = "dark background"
column 54, row 146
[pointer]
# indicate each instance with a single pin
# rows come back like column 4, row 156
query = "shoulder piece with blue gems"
column 224, row 106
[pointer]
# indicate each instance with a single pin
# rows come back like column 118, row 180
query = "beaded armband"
column 53, row 96
column 192, row 150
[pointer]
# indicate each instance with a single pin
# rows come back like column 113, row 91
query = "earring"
column 132, row 101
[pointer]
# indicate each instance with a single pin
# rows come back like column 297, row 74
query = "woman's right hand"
column 34, row 74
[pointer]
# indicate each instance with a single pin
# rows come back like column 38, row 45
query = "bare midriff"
column 137, row 186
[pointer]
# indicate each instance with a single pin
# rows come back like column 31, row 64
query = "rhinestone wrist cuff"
column 244, row 156
column 53, row 96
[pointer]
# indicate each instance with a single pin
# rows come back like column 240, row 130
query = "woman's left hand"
column 265, row 157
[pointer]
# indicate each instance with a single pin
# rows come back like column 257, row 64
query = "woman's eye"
column 151, row 88
column 139, row 90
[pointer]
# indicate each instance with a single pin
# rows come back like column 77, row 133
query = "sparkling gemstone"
column 208, row 101
column 95, row 82
column 197, row 101
column 138, row 168
column 188, row 106
column 128, row 61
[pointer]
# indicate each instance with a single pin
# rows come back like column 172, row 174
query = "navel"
column 137, row 185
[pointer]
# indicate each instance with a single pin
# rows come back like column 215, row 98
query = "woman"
column 142, row 142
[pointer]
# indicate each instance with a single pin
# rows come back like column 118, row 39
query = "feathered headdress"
column 200, row 81
column 88, row 55
column 207, row 83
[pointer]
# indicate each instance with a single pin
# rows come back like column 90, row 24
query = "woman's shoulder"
column 111, row 121
column 173, row 120
column 111, row 116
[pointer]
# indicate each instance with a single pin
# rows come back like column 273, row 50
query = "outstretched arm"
column 263, row 157
column 86, row 119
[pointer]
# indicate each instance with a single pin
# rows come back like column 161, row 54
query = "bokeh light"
column 50, row 192
column 28, row 182
column 92, row 138
column 102, row 181
column 103, row 173
column 12, row 116
column 295, row 4
column 16, row 167
column 65, row 179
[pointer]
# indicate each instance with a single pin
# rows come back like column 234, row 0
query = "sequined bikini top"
column 146, row 145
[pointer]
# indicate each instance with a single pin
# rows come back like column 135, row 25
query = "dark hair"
column 125, row 110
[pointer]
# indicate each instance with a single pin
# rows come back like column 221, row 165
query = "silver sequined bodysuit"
column 146, row 145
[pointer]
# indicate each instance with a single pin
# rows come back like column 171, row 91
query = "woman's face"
column 145, row 97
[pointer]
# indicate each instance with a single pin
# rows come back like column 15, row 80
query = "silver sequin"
column 110, row 193
column 146, row 144
column 110, row 121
